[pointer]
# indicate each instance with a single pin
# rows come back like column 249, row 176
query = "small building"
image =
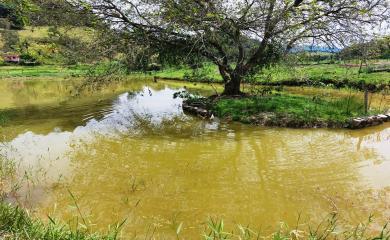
column 12, row 58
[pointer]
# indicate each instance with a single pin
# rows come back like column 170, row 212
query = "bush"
column 28, row 59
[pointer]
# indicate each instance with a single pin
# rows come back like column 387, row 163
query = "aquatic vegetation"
column 7, row 172
column 3, row 119
column 16, row 223
column 6, row 116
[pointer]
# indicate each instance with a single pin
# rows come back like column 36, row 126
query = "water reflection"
column 139, row 157
column 127, row 115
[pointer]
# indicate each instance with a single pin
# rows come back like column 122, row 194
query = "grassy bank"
column 286, row 110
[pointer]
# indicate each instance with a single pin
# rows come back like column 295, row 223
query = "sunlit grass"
column 282, row 72
column 315, row 75
column 297, row 107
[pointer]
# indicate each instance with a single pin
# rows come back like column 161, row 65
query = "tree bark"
column 232, row 87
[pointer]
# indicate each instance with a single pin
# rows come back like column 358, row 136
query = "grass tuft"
column 16, row 223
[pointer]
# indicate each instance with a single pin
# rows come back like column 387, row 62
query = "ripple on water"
column 143, row 148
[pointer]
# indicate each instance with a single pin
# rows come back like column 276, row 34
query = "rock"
column 195, row 109
column 383, row 117
column 203, row 112
column 358, row 123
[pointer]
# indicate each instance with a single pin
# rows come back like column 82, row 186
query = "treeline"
column 375, row 49
column 13, row 13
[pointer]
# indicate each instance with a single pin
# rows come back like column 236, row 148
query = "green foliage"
column 28, row 59
column 10, row 40
column 4, row 118
column 52, row 45
column 61, row 14
column 201, row 74
column 16, row 12
column 182, row 71
column 377, row 48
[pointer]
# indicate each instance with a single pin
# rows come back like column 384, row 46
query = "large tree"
column 219, row 29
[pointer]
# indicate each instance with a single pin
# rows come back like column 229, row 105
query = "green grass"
column 310, row 74
column 180, row 72
column 319, row 73
column 299, row 108
column 41, row 71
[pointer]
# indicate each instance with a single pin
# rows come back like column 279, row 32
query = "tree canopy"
column 219, row 29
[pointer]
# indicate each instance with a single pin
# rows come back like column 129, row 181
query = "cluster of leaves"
column 377, row 48
column 15, row 11
column 61, row 14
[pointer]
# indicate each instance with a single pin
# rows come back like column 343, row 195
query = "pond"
column 129, row 152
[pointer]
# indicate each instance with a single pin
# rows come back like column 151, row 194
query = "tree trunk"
column 232, row 87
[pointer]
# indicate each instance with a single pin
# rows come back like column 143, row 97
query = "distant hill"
column 314, row 48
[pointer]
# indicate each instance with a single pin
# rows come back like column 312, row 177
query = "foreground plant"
column 16, row 223
column 327, row 229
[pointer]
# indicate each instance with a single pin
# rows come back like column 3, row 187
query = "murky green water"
column 131, row 153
